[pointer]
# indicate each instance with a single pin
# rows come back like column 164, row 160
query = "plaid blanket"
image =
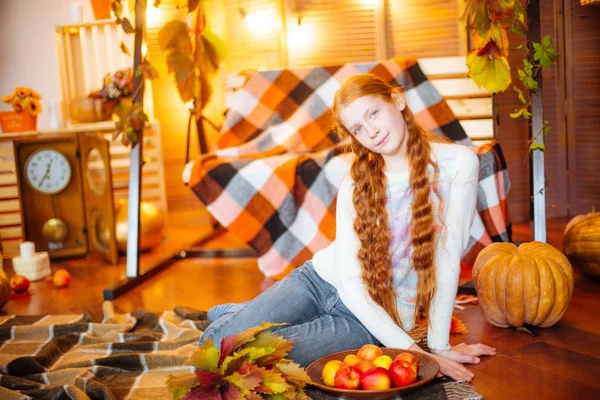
column 121, row 356
column 275, row 174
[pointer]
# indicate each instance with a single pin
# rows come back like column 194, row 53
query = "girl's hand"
column 451, row 360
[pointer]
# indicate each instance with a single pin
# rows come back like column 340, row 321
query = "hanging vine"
column 488, row 22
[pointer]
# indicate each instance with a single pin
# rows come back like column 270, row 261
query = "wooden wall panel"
column 583, row 104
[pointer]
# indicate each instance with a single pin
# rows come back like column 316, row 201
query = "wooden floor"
column 556, row 363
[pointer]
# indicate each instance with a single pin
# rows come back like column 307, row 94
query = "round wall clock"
column 48, row 171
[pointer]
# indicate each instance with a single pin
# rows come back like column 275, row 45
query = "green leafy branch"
column 130, row 118
column 544, row 55
column 489, row 22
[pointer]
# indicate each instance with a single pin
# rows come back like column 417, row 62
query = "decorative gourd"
column 581, row 243
column 4, row 289
column 530, row 284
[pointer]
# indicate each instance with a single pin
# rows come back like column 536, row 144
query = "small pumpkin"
column 530, row 284
column 581, row 243
column 4, row 288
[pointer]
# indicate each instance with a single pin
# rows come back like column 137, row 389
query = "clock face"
column 48, row 171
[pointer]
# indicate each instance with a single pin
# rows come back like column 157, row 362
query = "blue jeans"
column 320, row 324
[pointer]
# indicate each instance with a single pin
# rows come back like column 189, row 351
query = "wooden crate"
column 86, row 53
column 153, row 177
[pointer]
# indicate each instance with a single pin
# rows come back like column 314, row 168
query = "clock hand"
column 46, row 173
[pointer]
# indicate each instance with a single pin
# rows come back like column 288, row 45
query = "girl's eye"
column 357, row 130
column 373, row 113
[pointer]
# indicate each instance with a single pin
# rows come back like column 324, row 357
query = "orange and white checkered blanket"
column 274, row 177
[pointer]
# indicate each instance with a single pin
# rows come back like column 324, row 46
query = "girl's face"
column 377, row 124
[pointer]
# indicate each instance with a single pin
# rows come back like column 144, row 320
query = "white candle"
column 27, row 250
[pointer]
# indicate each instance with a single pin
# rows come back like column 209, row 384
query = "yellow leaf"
column 181, row 65
column 175, row 35
column 489, row 72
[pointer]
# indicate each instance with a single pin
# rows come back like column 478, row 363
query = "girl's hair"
column 369, row 197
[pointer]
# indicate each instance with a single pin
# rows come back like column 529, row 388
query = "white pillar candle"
column 27, row 250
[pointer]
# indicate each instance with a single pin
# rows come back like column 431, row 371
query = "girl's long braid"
column 372, row 228
column 423, row 221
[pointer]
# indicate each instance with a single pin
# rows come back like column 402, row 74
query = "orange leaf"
column 457, row 326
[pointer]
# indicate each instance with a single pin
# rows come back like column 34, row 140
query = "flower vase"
column 12, row 121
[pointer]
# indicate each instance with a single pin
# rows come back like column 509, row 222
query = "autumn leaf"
column 124, row 48
column 182, row 66
column 205, row 90
column 294, row 373
column 519, row 20
column 127, row 27
column 235, row 364
column 489, row 69
column 274, row 382
column 199, row 393
column 523, row 329
column 233, row 393
column 117, row 8
column 500, row 8
column 214, row 48
column 230, row 344
column 253, row 353
column 246, row 382
column 457, row 326
column 207, row 379
column 542, row 147
column 205, row 358
column 281, row 347
column 175, row 35
column 146, row 70
column 192, row 4
column 179, row 385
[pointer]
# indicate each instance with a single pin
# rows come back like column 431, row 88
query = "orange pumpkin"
column 530, row 284
column 4, row 288
column 581, row 243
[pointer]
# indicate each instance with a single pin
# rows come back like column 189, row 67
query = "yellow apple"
column 351, row 359
column 383, row 361
column 329, row 371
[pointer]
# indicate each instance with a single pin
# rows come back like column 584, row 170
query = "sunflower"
column 23, row 91
column 35, row 94
column 18, row 105
column 8, row 98
column 33, row 107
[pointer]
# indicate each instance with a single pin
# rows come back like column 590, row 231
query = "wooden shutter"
column 425, row 28
column 337, row 32
column 583, row 101
column 249, row 48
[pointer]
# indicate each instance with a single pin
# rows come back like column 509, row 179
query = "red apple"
column 403, row 373
column 347, row 377
column 408, row 357
column 376, row 378
column 364, row 365
column 19, row 284
column 369, row 352
column 61, row 278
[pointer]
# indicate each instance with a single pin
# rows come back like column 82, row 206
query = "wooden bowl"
column 428, row 370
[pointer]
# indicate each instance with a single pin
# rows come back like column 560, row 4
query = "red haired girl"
column 402, row 222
